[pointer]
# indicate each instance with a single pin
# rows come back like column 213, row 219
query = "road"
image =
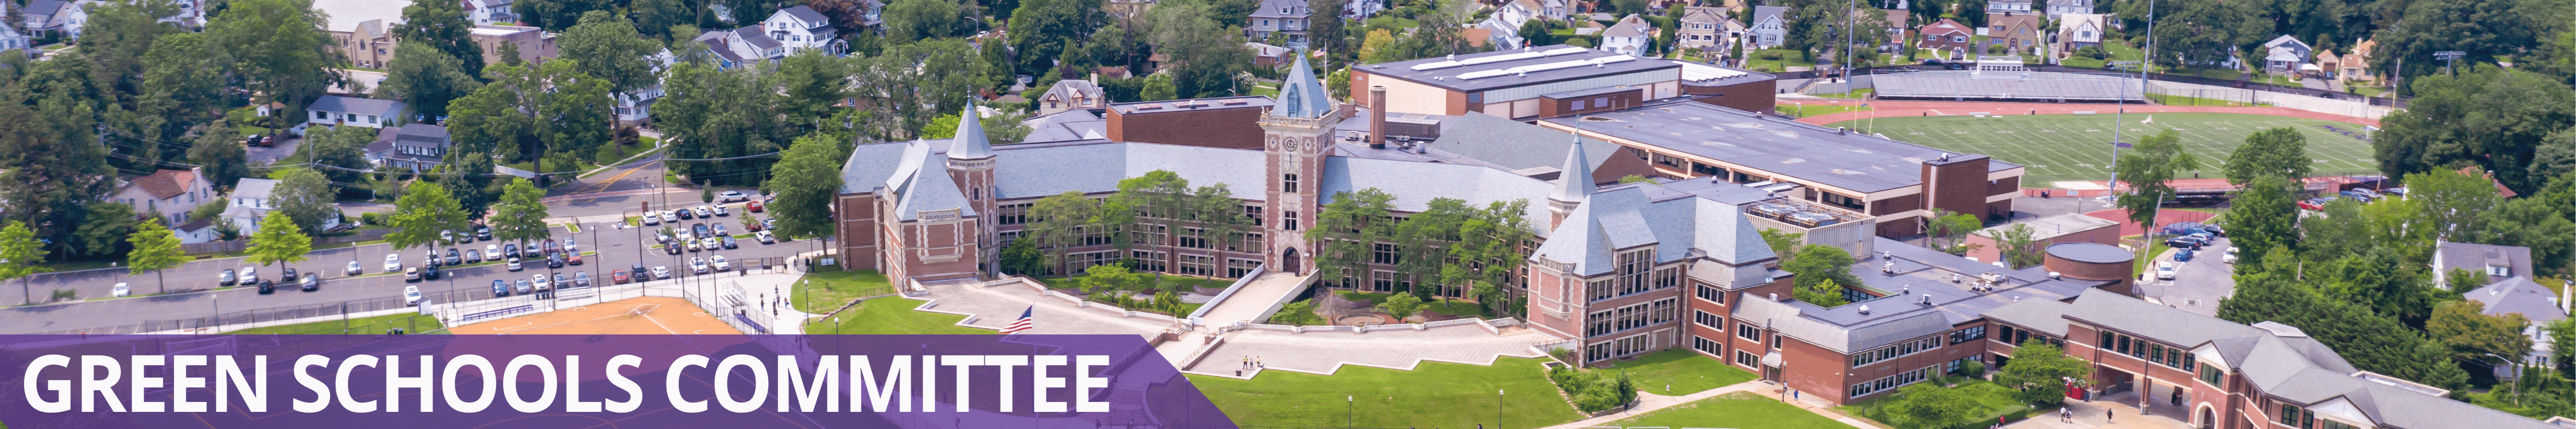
column 2198, row 284
column 616, row 248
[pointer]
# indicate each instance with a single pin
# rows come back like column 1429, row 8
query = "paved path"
column 1898, row 108
column 1324, row 352
column 1248, row 303
column 2124, row 415
column 995, row 306
column 1649, row 402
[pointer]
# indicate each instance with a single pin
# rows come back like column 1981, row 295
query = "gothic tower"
column 1573, row 185
column 1295, row 136
column 970, row 164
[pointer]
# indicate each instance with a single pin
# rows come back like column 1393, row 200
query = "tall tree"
column 2371, row 342
column 557, row 15
column 1783, row 244
column 1949, row 230
column 441, row 26
column 2038, row 369
column 521, row 214
column 278, row 241
column 184, row 86
column 1058, row 222
column 103, row 232
column 1204, row 52
column 2145, row 168
column 1040, row 29
column 424, row 211
column 155, row 249
column 1488, row 252
column 340, row 152
column 280, row 51
column 803, row 183
column 656, row 17
column 911, row 20
column 217, row 148
column 1929, row 405
column 2204, row 33
column 2454, row 204
column 2486, row 116
column 427, row 79
column 714, row 113
column 1822, row 268
column 2265, row 216
column 1325, row 30
column 2485, row 30
column 813, row 84
column 2277, row 152
column 1345, row 234
column 50, row 154
column 20, row 256
column 607, row 46
column 2016, row 246
column 2474, row 337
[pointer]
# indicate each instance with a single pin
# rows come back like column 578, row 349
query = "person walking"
column 2106, row 414
column 2065, row 415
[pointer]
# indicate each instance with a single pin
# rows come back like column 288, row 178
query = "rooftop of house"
column 758, row 40
column 1945, row 25
column 1513, row 67
column 1235, row 102
column 363, row 106
column 1070, row 125
column 807, row 14
column 1763, row 13
column 1851, row 161
column 1281, row 9
column 2519, row 295
column 1629, row 26
column 165, row 183
column 2477, row 257
column 254, row 188
column 43, row 7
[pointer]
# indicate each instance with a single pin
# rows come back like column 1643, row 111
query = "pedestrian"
column 2066, row 415
column 2106, row 414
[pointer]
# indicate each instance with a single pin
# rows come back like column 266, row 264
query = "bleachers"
column 2007, row 85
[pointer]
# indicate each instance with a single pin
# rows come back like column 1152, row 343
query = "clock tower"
column 1295, row 137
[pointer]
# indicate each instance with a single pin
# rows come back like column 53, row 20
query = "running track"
column 1895, row 108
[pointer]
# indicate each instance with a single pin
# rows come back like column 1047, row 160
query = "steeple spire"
column 970, row 142
column 1575, row 183
column 1300, row 95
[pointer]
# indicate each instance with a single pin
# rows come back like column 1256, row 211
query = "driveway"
column 2198, row 284
column 285, row 148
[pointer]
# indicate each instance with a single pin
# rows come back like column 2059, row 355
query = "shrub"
column 1771, row 55
column 371, row 218
column 65, row 295
column 1972, row 371
column 1594, row 391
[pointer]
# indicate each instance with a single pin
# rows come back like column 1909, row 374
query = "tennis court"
column 2076, row 147
column 644, row 315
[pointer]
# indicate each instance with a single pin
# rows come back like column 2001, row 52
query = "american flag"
column 1025, row 323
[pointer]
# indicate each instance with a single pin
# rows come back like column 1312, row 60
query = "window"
column 1194, row 238
column 2292, row 415
column 1253, row 212
column 2331, row 424
column 321, row 116
column 1598, row 323
column 1704, row 345
column 1147, row 260
column 1709, row 320
column 1712, row 294
column 1385, row 253
column 2211, row 374
column 1893, row 381
column 1597, row 290
column 1746, row 358
column 1747, row 331
column 1601, row 102
column 2499, row 271
column 1237, row 268
column 1578, row 105
column 1288, row 220
column 1973, row 333
column 1012, row 214
column 1664, row 311
column 1958, row 39
column 1288, row 183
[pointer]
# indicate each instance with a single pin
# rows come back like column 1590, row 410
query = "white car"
column 765, row 237
column 2165, row 270
column 492, row 251
column 514, row 264
column 731, row 196
column 661, row 272
column 720, row 262
column 411, row 296
column 2230, row 257
column 540, row 281
column 120, row 290
column 250, row 275
column 651, row 219
column 697, row 265
column 393, row 262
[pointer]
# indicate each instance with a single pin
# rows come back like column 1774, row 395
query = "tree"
column 1488, row 252
column 813, row 83
column 911, row 20
column 1041, row 29
column 606, row 46
column 2016, row 245
column 1402, row 305
column 1930, row 406
column 278, row 241
column 103, row 232
column 521, row 215
column 2454, row 204
column 1949, row 230
column 2370, row 341
column 1821, row 270
column 2472, row 335
column 1379, row 47
column 2414, row 30
column 184, row 87
column 1344, row 232
column 1205, row 52
column 279, row 50
column 427, row 79
column 50, row 155
column 2278, row 152
column 655, row 18
column 305, row 196
column 1423, row 240
column 2145, row 168
column 20, row 256
column 217, row 148
column 1057, row 223
column 722, row 114
column 1326, row 25
column 2463, row 280
column 424, row 211
column 340, row 152
column 2265, row 216
column 442, row 27
column 1158, row 88
column 1107, row 278
column 1021, row 257
column 2039, row 370
column 2487, row 116
column 1827, row 294
column 803, row 183
column 1783, row 244
column 2202, row 33
column 556, row 15
column 155, row 249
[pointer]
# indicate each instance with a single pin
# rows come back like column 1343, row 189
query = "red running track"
column 1896, row 108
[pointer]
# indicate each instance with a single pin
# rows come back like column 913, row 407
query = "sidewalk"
column 1649, row 402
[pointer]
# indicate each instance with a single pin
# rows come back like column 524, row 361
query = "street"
column 614, row 248
column 2198, row 284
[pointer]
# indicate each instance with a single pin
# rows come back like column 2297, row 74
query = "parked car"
column 2215, row 229
column 765, row 237
column 493, row 252
column 720, row 230
column 2229, row 257
column 558, row 282
column 354, row 269
column 266, row 286
column 698, row 265
column 581, row 279
column 731, row 196
column 684, row 214
column 2186, row 242
column 411, row 274
column 619, row 277
column 286, row 275
column 500, row 289
column 728, row 242
column 661, row 272
column 692, row 245
column 720, row 211
column 659, row 237
column 2318, row 203
column 312, row 282
column 250, row 274
column 429, row 272
column 511, row 249
column 572, row 258
column 473, row 256
column 555, row 261
column 671, row 248
column 709, row 243
column 753, row 206
column 447, row 236
column 752, row 225
column 551, row 248
column 705, row 212
column 514, row 264
column 226, row 278
column 524, row 287
column 454, row 257
column 720, row 262
column 2183, row 255
column 120, row 291
column 769, row 224
column 260, row 140
column 2165, row 270
column 411, row 295
column 700, row 229
column 482, row 232
column 429, row 257
column 650, row 219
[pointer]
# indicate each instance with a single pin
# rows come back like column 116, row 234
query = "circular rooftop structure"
column 2091, row 253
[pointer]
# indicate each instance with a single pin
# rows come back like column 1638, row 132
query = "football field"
column 2076, row 147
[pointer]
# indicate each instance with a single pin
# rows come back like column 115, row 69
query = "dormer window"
column 2499, row 271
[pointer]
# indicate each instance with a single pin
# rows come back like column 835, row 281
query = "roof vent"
column 1775, row 296
column 1927, row 300
column 2053, row 275
column 1999, row 263
column 1864, row 309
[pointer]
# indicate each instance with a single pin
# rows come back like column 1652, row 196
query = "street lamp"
column 1351, row 408
column 2517, row 377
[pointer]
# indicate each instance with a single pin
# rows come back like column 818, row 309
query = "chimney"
column 1377, row 116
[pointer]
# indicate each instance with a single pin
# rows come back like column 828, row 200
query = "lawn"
column 827, row 291
column 1788, row 58
column 1680, row 372
column 1993, row 401
column 1733, row 410
column 1435, row 394
column 1163, row 282
column 2068, row 147
column 890, row 316
column 410, row 322
column 2119, row 52
column 1861, row 93
column 1803, row 110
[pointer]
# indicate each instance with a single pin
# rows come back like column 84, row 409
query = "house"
column 535, row 45
column 1946, row 36
column 1703, row 28
column 2008, row 6
column 2356, row 65
column 2326, row 64
column 252, row 199
column 1362, row 9
column 1503, row 26
column 800, row 28
column 2078, row 31
column 1287, row 18
column 362, row 30
column 1270, row 56
column 165, row 194
column 48, row 18
column 365, row 112
column 411, row 147
column 2058, row 8
column 2284, row 55
column 1071, row 94
column 636, row 107
column 871, row 13
column 2017, row 32
column 197, row 231
column 1900, row 28
column 742, row 47
column 1770, row 27
column 489, row 12
column 2511, row 287
column 1628, row 37
column 11, row 38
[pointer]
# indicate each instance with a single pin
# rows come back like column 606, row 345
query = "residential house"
column 364, row 112
column 2511, row 287
column 1362, row 9
column 1270, row 56
column 1288, row 18
column 1629, row 36
column 2008, row 6
column 2058, row 8
column 196, row 231
column 2326, row 64
column 1503, row 26
column 1770, row 27
column 1703, row 28
column 535, row 45
column 489, row 12
column 1071, row 94
column 165, row 194
column 363, row 29
column 636, row 107
column 48, row 18
column 252, row 199
column 2356, row 65
column 411, row 147
column 800, row 28
column 1946, row 36
column 192, row 14
column 12, row 38
column 2079, row 30
column 740, row 48
column 1900, row 28
column 1555, row 9
column 2017, row 32
column 2284, row 55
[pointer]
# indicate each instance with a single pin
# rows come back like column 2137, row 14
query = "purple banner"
column 595, row 381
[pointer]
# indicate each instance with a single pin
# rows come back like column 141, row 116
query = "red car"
column 620, row 277
column 754, row 206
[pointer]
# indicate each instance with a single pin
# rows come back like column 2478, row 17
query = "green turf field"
column 2074, row 147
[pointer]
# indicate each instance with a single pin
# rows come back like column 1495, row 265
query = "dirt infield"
column 1894, row 108
column 645, row 315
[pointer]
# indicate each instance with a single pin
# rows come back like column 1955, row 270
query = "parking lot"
column 2198, row 284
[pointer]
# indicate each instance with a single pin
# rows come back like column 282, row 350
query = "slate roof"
column 363, row 106
column 2516, row 294
column 1301, row 95
column 43, row 7
column 425, row 134
column 1512, row 145
column 1271, row 9
column 1682, row 224
column 1768, row 12
column 1069, row 125
column 807, row 14
column 2476, row 257
column 1630, row 26
column 254, row 188
column 2043, row 315
column 970, row 142
column 759, row 40
column 1415, row 184
column 1852, row 161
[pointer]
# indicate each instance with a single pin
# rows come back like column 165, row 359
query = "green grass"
column 1435, row 394
column 1861, row 93
column 2119, row 52
column 410, row 322
column 828, row 291
column 1734, row 410
column 1686, row 372
column 2069, row 147
column 1788, row 58
column 1166, row 283
column 890, row 316
column 2176, row 100
column 1993, row 401
column 1804, row 110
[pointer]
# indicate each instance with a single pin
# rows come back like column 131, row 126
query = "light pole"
column 1352, row 410
column 2517, row 377
column 1499, row 407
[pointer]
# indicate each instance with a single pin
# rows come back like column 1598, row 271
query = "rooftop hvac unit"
column 1772, row 210
column 1810, row 219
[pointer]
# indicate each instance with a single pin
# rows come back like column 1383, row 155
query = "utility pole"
column 2452, row 59
column 2149, row 56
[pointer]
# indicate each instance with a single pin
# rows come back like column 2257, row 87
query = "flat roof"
column 1702, row 74
column 1236, row 102
column 1852, row 161
column 1516, row 67
column 2053, row 226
